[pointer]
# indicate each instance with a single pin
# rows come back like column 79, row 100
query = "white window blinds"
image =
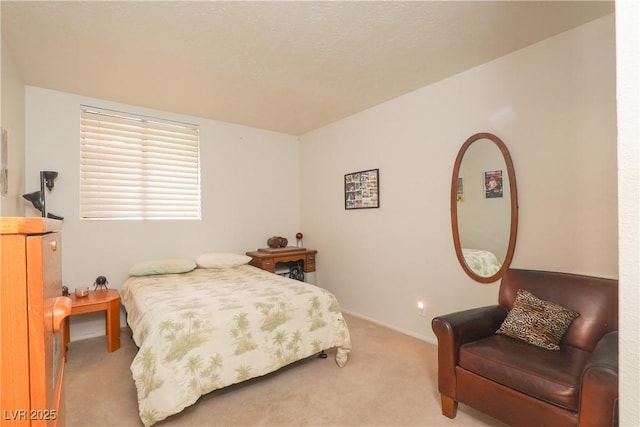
column 134, row 167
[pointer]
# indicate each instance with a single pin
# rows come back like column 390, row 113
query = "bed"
column 484, row 263
column 207, row 328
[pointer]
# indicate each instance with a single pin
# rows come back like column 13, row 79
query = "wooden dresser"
column 32, row 313
column 267, row 258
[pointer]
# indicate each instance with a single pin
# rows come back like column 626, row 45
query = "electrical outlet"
column 421, row 311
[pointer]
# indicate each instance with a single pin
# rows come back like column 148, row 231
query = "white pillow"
column 162, row 266
column 221, row 260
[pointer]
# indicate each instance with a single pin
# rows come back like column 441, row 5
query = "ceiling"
column 284, row 66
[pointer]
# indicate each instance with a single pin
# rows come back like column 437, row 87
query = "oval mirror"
column 484, row 207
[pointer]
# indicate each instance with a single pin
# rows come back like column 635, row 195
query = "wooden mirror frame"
column 514, row 207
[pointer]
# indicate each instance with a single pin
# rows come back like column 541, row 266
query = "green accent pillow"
column 537, row 322
column 162, row 266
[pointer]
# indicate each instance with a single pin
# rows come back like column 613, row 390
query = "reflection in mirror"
column 484, row 207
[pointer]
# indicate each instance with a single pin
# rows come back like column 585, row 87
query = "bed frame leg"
column 322, row 355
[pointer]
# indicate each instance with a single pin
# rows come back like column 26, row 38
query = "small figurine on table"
column 101, row 283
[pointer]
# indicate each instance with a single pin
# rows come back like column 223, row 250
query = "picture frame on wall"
column 493, row 184
column 460, row 190
column 362, row 189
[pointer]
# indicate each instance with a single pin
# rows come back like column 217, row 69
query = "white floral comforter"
column 483, row 263
column 210, row 328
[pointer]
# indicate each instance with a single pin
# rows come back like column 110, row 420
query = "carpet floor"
column 389, row 380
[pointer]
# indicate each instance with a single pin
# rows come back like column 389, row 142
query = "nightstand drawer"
column 310, row 263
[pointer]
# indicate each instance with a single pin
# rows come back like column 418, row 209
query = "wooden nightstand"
column 267, row 258
column 107, row 300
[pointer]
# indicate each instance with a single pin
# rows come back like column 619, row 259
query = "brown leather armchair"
column 524, row 385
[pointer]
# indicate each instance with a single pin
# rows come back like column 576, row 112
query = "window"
column 135, row 167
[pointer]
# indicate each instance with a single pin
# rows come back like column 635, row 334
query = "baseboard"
column 430, row 340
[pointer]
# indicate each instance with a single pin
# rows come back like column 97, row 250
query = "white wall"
column 554, row 106
column 249, row 193
column 12, row 119
column 628, row 84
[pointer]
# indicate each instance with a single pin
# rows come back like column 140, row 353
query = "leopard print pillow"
column 537, row 322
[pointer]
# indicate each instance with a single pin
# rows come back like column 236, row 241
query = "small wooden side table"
column 266, row 259
column 103, row 300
